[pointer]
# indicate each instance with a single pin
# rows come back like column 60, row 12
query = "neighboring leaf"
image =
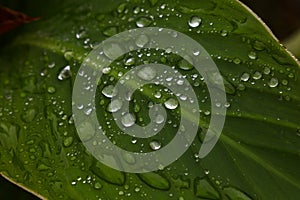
column 10, row 19
column 257, row 156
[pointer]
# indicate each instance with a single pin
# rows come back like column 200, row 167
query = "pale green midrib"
column 260, row 161
column 52, row 44
column 78, row 52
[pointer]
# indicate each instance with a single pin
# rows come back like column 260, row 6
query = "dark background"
column 282, row 17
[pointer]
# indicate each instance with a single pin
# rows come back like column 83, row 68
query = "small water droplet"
column 273, row 82
column 97, row 186
column 252, row 55
column 236, row 61
column 68, row 141
column 159, row 119
column 257, row 75
column 155, row 145
column 109, row 91
column 185, row 65
column 114, row 105
column 65, row 73
column 258, row 45
column 245, row 77
column 143, row 22
column 128, row 120
column 110, row 31
column 194, row 22
column 267, row 70
column 224, row 33
column 146, row 73
column 141, row 40
column 29, row 115
column 130, row 61
column 171, row 104
column 51, row 90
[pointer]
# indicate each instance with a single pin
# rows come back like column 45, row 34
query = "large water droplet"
column 159, row 119
column 65, row 73
column 171, row 104
column 233, row 193
column 185, row 65
column 143, row 22
column 115, row 105
column 273, row 82
column 245, row 77
column 108, row 174
column 29, row 115
column 252, row 55
column 109, row 91
column 257, row 75
column 155, row 180
column 112, row 50
column 110, row 31
column 194, row 22
column 141, row 40
column 128, row 120
column 204, row 189
column 147, row 73
column 130, row 61
column 155, row 145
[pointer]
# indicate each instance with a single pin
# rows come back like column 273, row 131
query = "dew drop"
column 128, row 120
column 114, row 105
column 171, row 104
column 257, row 75
column 155, row 145
column 273, row 82
column 252, row 55
column 245, row 77
column 258, row 45
column 141, row 40
column 236, row 61
column 159, row 119
column 146, row 73
column 143, row 22
column 97, row 186
column 112, row 50
column 110, row 31
column 51, row 90
column 65, row 73
column 130, row 61
column 68, row 141
column 194, row 22
column 185, row 65
column 224, row 33
column 109, row 91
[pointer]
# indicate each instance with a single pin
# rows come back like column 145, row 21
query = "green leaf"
column 256, row 157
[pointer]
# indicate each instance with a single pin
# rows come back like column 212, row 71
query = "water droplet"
column 108, row 174
column 68, row 141
column 273, row 82
column 129, row 158
column 267, row 70
column 114, row 105
column 29, row 115
column 128, row 120
column 97, row 186
column 204, row 189
column 51, row 90
column 157, row 95
column 147, row 73
column 65, row 73
column 284, row 82
column 112, row 50
column 171, row 104
column 110, row 31
column 155, row 180
column 159, row 119
column 241, row 87
column 245, row 77
column 258, row 45
column 257, row 75
column 109, row 91
column 233, row 193
column 194, row 22
column 155, row 145
column 252, row 55
column 130, row 61
column 236, row 61
column 141, row 40
column 143, row 22
column 185, row 65
column 224, row 33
